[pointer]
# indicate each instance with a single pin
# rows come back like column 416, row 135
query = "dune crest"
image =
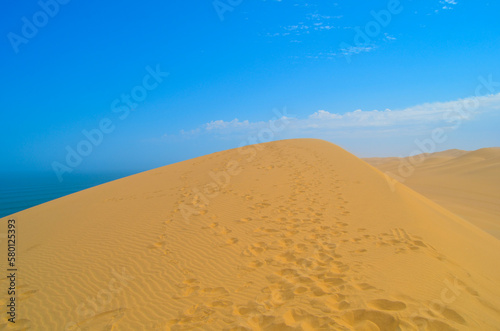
column 288, row 235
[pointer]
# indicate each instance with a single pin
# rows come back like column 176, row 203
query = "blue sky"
column 371, row 76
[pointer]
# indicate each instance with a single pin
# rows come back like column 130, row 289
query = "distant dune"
column 288, row 235
column 466, row 183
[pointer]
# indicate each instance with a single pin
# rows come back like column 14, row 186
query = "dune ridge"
column 288, row 235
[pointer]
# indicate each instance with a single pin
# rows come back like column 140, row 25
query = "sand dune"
column 466, row 183
column 288, row 235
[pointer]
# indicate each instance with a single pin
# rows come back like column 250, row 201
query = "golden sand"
column 288, row 235
column 466, row 183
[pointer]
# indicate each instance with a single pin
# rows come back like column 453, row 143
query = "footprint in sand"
column 103, row 321
column 385, row 304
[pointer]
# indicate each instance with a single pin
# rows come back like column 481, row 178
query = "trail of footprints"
column 308, row 268
column 309, row 249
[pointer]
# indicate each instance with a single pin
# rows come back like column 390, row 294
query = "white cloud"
column 322, row 114
column 311, row 22
column 357, row 49
column 219, row 124
column 448, row 4
column 389, row 37
column 411, row 120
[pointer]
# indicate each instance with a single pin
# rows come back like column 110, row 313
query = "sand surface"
column 466, row 183
column 288, row 235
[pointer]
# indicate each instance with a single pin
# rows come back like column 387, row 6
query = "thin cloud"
column 352, row 50
column 411, row 120
column 448, row 4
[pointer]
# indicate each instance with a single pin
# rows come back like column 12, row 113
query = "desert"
column 303, row 236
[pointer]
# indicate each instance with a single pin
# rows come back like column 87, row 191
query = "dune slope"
column 466, row 183
column 288, row 235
